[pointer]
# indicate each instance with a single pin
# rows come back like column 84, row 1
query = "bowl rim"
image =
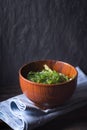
column 42, row 84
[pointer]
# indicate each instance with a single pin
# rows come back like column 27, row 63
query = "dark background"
column 41, row 29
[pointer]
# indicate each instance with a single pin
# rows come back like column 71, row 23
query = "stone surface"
column 37, row 29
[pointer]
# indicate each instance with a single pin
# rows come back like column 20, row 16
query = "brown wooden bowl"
column 45, row 95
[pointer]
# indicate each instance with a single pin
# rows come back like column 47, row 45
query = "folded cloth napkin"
column 21, row 114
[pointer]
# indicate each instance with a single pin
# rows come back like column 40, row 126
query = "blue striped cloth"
column 21, row 114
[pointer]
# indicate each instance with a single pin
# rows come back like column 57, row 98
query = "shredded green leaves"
column 47, row 76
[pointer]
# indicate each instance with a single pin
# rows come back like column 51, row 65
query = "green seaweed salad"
column 47, row 76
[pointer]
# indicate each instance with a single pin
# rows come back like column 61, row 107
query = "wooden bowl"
column 45, row 95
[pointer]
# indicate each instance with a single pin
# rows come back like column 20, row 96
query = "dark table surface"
column 76, row 120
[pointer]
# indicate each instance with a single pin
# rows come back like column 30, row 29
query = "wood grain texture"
column 48, row 95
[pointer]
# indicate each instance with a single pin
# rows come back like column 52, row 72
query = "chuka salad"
column 47, row 76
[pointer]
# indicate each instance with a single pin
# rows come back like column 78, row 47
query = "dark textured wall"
column 41, row 29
